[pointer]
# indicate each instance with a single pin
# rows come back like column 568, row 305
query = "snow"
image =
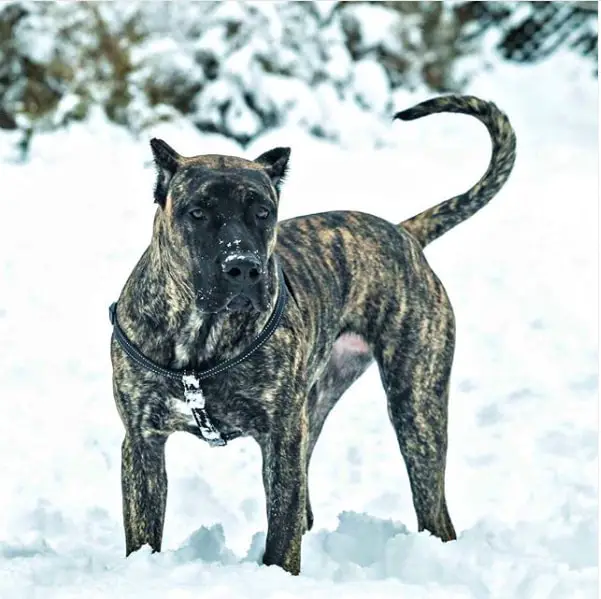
column 522, row 464
column 37, row 48
column 377, row 25
column 233, row 256
column 371, row 86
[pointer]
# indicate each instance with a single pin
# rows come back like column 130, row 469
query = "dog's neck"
column 161, row 317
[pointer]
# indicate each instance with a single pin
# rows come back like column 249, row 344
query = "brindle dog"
column 358, row 289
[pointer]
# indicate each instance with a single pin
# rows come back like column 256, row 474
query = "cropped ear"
column 275, row 163
column 166, row 161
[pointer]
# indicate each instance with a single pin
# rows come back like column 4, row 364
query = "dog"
column 232, row 324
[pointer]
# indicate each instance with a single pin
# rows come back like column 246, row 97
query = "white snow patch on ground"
column 522, row 461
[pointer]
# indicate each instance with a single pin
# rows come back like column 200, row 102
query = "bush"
column 242, row 68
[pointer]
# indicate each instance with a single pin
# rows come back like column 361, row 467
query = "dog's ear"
column 275, row 163
column 166, row 161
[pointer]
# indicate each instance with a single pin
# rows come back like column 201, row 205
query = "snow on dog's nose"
column 242, row 270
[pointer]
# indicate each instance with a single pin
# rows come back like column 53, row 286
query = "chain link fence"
column 534, row 32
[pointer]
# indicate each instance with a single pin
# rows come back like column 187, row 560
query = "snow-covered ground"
column 522, row 462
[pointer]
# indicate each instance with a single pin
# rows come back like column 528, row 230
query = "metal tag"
column 196, row 402
column 192, row 392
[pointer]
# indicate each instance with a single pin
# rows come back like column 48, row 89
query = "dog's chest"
column 228, row 401
column 190, row 348
column 233, row 400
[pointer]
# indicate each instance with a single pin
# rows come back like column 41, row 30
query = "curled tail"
column 434, row 222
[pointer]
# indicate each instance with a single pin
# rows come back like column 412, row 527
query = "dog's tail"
column 434, row 222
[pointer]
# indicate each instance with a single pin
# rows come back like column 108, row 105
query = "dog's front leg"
column 144, row 487
column 285, row 479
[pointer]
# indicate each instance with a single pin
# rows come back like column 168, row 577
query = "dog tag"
column 209, row 433
column 192, row 392
column 196, row 402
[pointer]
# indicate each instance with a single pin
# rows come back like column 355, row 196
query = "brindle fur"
column 369, row 279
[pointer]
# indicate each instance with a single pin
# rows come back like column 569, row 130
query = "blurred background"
column 242, row 69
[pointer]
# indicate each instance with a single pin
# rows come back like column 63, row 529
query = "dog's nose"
column 242, row 269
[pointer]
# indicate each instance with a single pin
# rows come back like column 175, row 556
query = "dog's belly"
column 347, row 348
column 349, row 359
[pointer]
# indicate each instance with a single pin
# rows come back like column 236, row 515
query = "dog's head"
column 220, row 217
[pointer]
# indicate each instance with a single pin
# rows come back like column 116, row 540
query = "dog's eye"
column 262, row 213
column 198, row 214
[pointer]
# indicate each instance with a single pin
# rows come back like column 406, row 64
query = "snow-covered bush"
column 241, row 68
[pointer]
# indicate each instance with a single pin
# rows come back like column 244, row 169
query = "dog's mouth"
column 237, row 303
column 241, row 303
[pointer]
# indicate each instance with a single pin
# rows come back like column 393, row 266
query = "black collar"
column 190, row 379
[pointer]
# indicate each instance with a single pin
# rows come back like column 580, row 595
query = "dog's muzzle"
column 242, row 272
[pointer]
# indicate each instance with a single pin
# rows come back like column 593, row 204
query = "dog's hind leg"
column 415, row 364
column 144, row 488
